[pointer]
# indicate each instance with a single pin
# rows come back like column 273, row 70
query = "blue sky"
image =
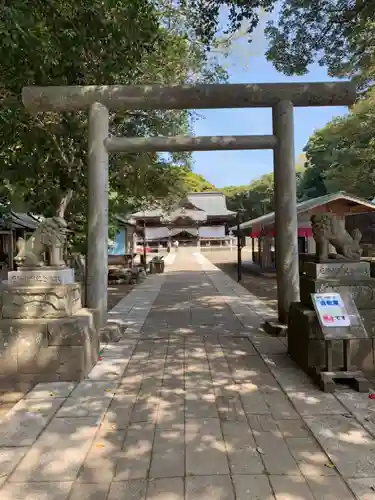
column 247, row 64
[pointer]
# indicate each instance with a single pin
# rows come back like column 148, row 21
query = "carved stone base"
column 48, row 350
column 48, row 301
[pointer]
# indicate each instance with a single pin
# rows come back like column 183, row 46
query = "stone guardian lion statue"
column 326, row 230
column 48, row 240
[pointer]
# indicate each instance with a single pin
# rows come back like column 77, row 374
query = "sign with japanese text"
column 330, row 309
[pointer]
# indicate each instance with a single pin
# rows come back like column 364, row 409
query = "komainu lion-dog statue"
column 326, row 230
column 46, row 245
column 47, row 240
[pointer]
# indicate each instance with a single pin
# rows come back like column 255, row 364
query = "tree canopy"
column 255, row 199
column 338, row 34
column 195, row 183
column 67, row 43
column 341, row 155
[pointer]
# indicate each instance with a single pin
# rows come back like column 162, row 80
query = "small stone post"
column 286, row 225
column 97, row 237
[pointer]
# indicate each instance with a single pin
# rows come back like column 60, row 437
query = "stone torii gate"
column 98, row 100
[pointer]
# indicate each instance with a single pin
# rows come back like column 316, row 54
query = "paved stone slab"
column 36, row 491
column 255, row 487
column 275, row 454
column 9, row 459
column 129, row 490
column 135, row 458
column 209, row 487
column 350, row 447
column 363, row 488
column 22, row 429
column 330, row 488
column 241, row 448
column 310, row 457
column 59, row 453
column 45, row 407
column 166, row 489
column 315, row 402
column 84, row 407
column 280, row 406
column 253, row 400
column 89, row 388
column 51, row 390
column 291, row 487
column 263, row 423
column 293, row 428
column 267, row 345
column 108, row 369
column 205, row 448
column 93, row 491
column 168, row 455
column 361, row 406
column 229, row 404
column 100, row 463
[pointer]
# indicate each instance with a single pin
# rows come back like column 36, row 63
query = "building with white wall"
column 200, row 219
column 262, row 229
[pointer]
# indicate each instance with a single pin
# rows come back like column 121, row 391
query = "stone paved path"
column 195, row 403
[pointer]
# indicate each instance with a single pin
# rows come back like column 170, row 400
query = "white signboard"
column 330, row 309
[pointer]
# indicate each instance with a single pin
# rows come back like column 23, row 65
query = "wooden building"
column 12, row 227
column 262, row 229
column 200, row 219
column 125, row 240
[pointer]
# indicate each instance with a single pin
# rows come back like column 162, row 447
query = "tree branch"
column 63, row 156
column 64, row 203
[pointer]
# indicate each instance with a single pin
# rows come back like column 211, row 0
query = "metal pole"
column 97, row 220
column 239, row 256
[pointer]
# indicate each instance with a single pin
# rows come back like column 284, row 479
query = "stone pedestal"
column 45, row 335
column 305, row 342
column 28, row 302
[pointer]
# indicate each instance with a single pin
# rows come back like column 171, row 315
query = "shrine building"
column 200, row 219
column 262, row 229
